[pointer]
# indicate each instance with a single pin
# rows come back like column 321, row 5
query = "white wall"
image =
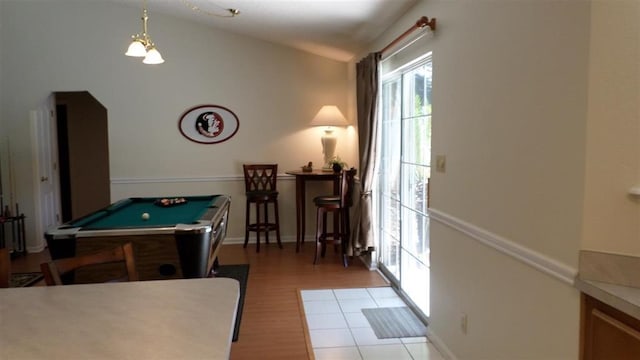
column 275, row 91
column 611, row 215
column 509, row 112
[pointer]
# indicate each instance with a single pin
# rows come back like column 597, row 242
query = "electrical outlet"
column 441, row 163
column 463, row 323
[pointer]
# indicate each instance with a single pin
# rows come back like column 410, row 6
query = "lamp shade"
column 136, row 49
column 329, row 115
column 153, row 57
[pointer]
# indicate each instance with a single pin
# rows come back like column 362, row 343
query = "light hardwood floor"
column 272, row 322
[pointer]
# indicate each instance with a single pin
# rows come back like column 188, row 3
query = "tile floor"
column 339, row 331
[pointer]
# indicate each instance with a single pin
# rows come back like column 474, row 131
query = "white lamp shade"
column 153, row 57
column 136, row 49
column 329, row 115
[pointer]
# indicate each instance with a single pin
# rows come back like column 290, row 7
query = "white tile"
column 321, row 307
column 382, row 292
column 338, row 353
column 424, row 351
column 385, row 352
column 355, row 305
column 390, row 302
column 356, row 320
column 309, row 295
column 412, row 340
column 366, row 336
column 331, row 338
column 326, row 321
column 351, row 294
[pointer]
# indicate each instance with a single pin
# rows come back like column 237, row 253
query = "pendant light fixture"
column 141, row 44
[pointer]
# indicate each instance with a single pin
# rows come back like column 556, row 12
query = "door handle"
column 43, row 179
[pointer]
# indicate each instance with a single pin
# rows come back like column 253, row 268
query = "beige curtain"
column 367, row 105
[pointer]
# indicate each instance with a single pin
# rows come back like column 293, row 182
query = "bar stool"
column 339, row 204
column 260, row 189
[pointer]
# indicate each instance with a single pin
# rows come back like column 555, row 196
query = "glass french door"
column 402, row 185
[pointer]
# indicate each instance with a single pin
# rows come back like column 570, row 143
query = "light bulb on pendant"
column 153, row 57
column 136, row 49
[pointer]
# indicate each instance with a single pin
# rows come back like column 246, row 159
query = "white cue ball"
column 145, row 216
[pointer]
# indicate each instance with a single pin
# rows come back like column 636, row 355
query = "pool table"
column 176, row 240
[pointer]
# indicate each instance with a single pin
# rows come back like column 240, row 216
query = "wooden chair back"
column 53, row 270
column 5, row 268
column 260, row 177
column 260, row 189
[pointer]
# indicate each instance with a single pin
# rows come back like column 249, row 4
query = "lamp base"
column 328, row 147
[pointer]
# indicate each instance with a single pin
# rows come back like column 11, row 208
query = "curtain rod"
column 420, row 24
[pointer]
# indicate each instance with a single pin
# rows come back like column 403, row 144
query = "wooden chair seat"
column 262, row 195
column 326, row 200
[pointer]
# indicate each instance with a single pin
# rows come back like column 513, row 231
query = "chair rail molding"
column 537, row 260
column 193, row 179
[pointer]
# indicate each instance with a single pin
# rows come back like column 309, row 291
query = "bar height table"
column 301, row 179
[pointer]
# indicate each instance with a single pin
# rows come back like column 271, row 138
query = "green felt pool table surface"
column 127, row 213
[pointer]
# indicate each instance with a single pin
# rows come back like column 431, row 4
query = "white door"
column 45, row 169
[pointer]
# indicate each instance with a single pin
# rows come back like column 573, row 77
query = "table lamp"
column 329, row 116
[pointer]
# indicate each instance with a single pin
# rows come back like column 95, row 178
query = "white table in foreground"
column 164, row 319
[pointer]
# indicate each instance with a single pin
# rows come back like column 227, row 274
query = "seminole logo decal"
column 208, row 124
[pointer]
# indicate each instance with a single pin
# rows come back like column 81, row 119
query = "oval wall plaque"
column 208, row 124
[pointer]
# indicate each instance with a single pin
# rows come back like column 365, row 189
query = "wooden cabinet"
column 607, row 333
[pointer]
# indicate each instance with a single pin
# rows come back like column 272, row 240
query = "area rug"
column 25, row 279
column 240, row 273
column 395, row 322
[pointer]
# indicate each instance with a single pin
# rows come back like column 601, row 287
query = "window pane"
column 391, row 255
column 390, row 221
column 415, row 281
column 417, row 91
column 416, row 140
column 415, row 181
column 390, row 137
column 415, row 234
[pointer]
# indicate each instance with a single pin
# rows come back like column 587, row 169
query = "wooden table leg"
column 303, row 207
column 299, row 212
column 336, row 214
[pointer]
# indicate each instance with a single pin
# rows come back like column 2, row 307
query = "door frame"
column 44, row 146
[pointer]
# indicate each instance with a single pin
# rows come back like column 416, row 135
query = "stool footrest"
column 263, row 227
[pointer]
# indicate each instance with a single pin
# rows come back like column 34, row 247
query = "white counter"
column 166, row 319
column 623, row 298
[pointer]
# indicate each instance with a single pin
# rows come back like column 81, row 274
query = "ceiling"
column 337, row 29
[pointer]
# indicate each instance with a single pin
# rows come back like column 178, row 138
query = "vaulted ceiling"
column 337, row 29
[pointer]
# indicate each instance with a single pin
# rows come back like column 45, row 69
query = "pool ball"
column 145, row 216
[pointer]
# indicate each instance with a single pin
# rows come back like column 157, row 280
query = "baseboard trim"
column 36, row 249
column 292, row 239
column 541, row 262
column 440, row 345
column 252, row 240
